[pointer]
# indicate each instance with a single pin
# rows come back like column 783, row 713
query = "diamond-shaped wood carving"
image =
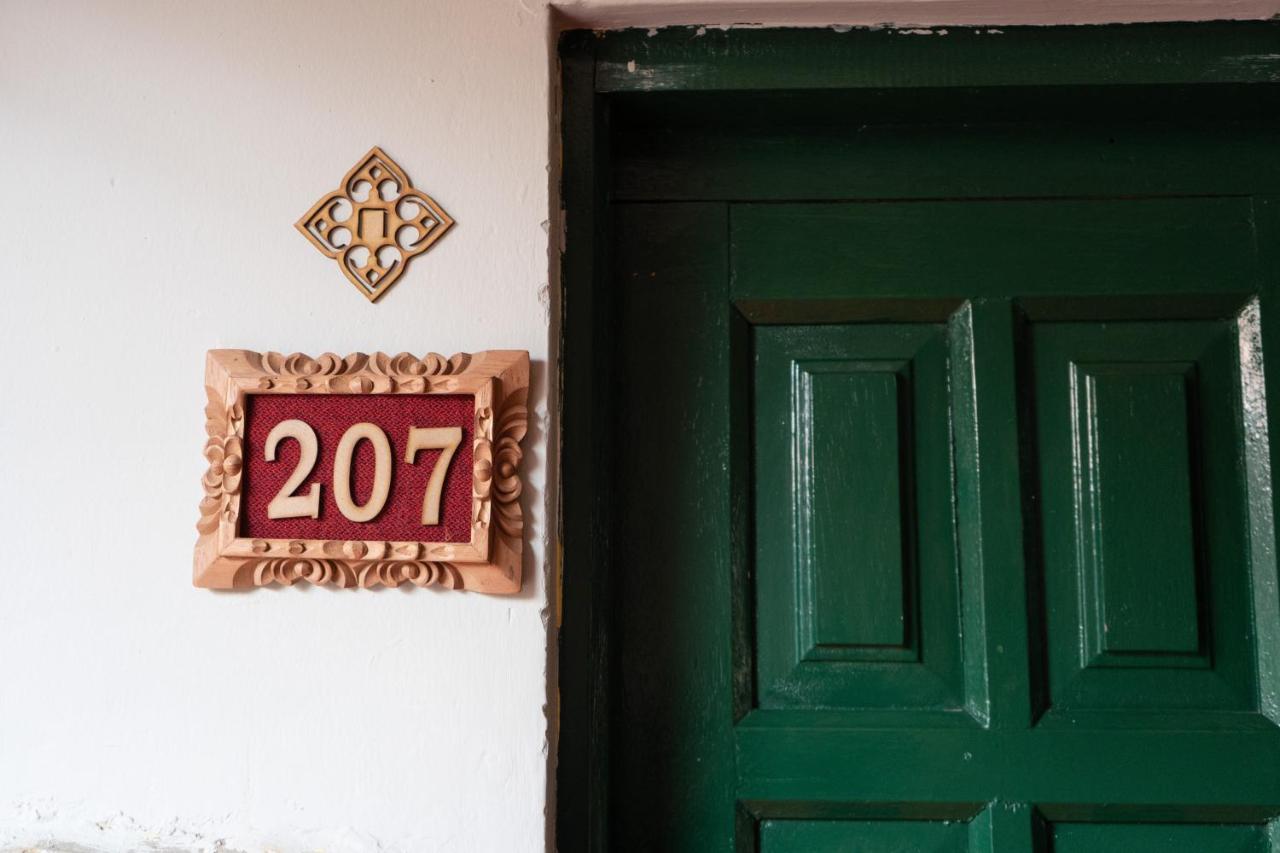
column 374, row 223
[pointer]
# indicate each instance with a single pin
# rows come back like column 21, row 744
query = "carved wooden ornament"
column 374, row 224
column 390, row 469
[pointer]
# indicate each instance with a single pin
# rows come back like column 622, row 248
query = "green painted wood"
column 1196, row 772
column 580, row 734
column 978, row 247
column 1003, row 686
column 849, row 424
column 847, row 507
column 1260, row 406
column 1178, row 487
column 796, row 836
column 1003, row 826
column 671, row 753
column 686, row 59
column 1158, row 838
column 1131, row 423
column 882, row 158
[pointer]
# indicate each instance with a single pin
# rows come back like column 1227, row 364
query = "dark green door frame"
column 1234, row 66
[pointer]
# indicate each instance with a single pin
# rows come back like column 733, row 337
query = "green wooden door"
column 942, row 503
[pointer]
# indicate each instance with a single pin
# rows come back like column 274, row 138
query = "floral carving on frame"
column 374, row 224
column 489, row 561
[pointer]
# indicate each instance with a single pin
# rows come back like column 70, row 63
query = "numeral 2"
column 286, row 504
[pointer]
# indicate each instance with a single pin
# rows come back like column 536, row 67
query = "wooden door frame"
column 597, row 68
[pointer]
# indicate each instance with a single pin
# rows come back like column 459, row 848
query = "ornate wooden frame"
column 490, row 562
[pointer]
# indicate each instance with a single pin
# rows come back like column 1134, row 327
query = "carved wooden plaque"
column 368, row 470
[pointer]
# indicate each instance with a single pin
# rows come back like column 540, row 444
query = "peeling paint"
column 544, row 301
column 885, row 14
column 1268, row 63
column 1257, row 443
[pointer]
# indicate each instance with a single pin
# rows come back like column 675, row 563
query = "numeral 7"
column 444, row 439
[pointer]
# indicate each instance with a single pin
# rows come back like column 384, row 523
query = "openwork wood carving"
column 374, row 224
column 489, row 562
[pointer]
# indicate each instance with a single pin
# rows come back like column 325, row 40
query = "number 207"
column 288, row 505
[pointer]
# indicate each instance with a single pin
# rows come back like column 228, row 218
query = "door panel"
column 1158, row 838
column 856, row 550
column 1168, row 247
column 1147, row 578
column 796, row 836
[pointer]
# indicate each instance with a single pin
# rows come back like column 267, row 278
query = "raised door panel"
column 1139, row 445
column 855, row 541
column 1138, row 522
column 852, row 530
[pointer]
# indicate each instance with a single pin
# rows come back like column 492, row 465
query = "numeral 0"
column 288, row 505
column 381, row 472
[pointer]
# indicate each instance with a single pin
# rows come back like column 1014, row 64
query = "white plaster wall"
column 153, row 157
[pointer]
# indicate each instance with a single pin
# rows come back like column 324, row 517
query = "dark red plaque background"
column 330, row 416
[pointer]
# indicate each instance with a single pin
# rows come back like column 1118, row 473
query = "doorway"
column 917, row 472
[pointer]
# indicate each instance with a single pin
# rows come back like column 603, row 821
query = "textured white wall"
column 153, row 157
